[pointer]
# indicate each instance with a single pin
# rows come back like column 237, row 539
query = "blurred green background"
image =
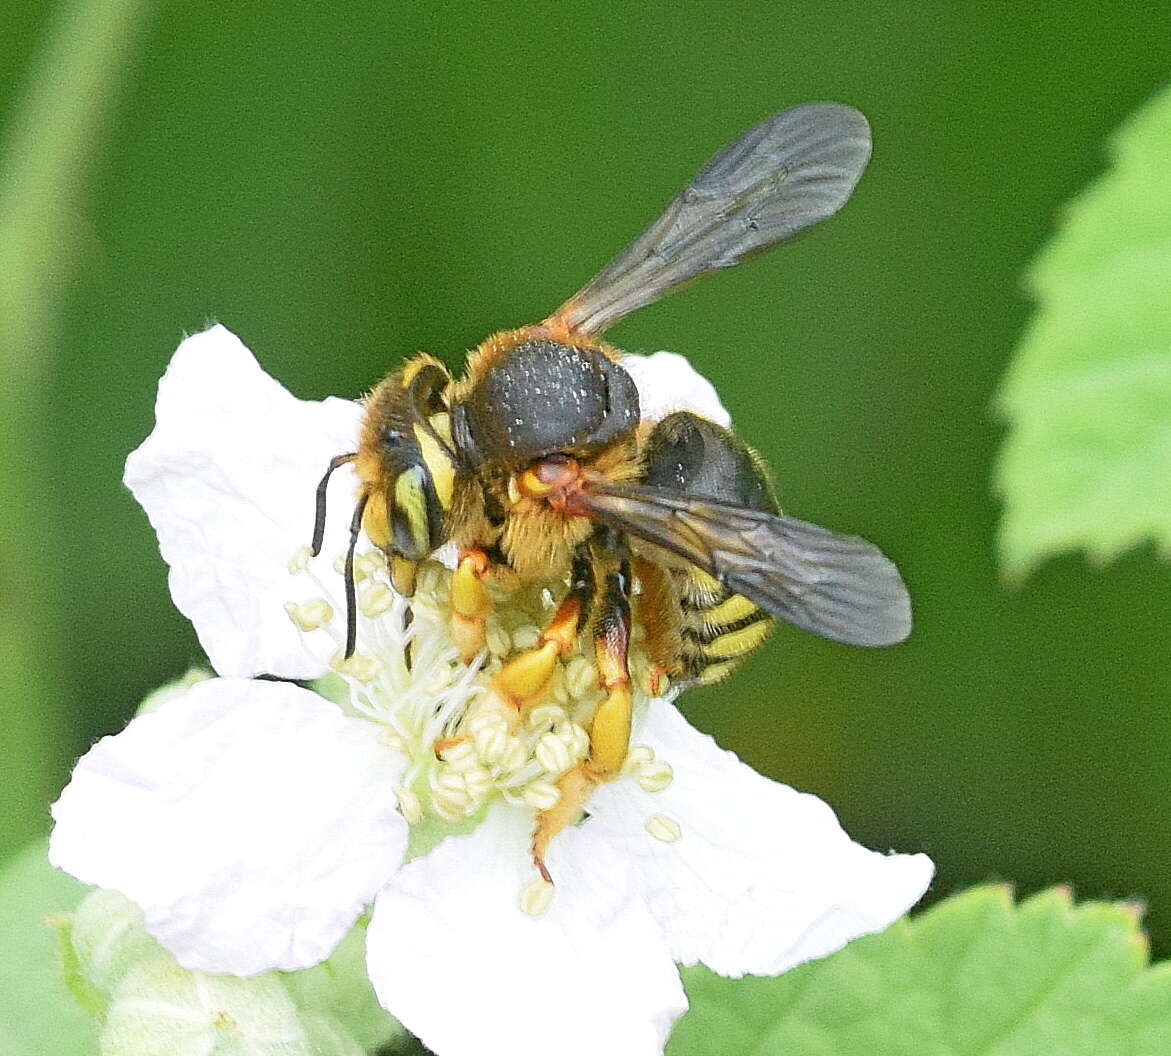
column 343, row 185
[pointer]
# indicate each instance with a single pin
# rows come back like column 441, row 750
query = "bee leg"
column 523, row 678
column 658, row 611
column 610, row 728
column 402, row 578
column 470, row 603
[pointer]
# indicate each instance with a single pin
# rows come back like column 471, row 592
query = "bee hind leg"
column 523, row 679
column 610, row 727
column 658, row 613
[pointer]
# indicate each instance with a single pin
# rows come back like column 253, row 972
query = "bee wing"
column 782, row 176
column 837, row 586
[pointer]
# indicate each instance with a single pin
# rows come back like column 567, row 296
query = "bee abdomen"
column 718, row 628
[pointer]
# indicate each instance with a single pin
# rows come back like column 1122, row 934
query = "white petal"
column 250, row 821
column 458, row 963
column 227, row 479
column 666, row 382
column 762, row 877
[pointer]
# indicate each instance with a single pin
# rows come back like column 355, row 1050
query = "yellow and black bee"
column 537, row 464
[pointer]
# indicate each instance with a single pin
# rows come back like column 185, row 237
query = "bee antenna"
column 351, row 594
column 319, row 521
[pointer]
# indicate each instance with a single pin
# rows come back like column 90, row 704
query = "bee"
column 537, row 464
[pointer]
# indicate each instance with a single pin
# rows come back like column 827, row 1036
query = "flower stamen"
column 663, row 828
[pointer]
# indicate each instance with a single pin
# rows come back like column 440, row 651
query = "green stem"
column 51, row 143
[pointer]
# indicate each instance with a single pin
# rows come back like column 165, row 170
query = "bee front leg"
column 522, row 680
column 470, row 603
column 610, row 727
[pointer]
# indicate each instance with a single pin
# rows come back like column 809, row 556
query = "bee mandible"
column 536, row 464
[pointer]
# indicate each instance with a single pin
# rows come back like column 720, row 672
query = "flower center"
column 466, row 746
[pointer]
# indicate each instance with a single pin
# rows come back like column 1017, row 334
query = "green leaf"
column 38, row 1015
column 1088, row 398
column 975, row 976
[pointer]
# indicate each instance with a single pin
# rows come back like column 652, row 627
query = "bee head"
column 405, row 460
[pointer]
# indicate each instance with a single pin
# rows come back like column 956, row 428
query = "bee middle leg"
column 610, row 728
column 522, row 680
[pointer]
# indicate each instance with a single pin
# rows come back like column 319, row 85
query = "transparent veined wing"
column 779, row 178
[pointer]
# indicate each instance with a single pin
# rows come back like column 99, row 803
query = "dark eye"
column 391, row 438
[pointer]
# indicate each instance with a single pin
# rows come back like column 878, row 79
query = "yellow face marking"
column 735, row 643
column 410, row 499
column 436, row 460
column 374, row 520
column 729, row 611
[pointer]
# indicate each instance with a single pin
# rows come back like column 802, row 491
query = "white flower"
column 253, row 820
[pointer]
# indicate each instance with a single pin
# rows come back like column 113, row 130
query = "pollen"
column 663, row 828
column 536, row 896
column 310, row 615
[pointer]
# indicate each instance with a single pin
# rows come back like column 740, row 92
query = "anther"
column 553, row 754
column 449, row 803
column 360, row 573
column 498, row 640
column 409, row 805
column 545, row 715
column 392, row 740
column 450, row 781
column 544, row 795
column 655, row 776
column 362, row 667
column 372, row 562
column 638, row 757
column 375, row 599
column 536, row 896
column 300, row 560
column 514, row 756
column 491, row 743
column 577, row 739
column 459, row 756
column 479, row 782
column 581, row 678
column 311, row 614
column 663, row 828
